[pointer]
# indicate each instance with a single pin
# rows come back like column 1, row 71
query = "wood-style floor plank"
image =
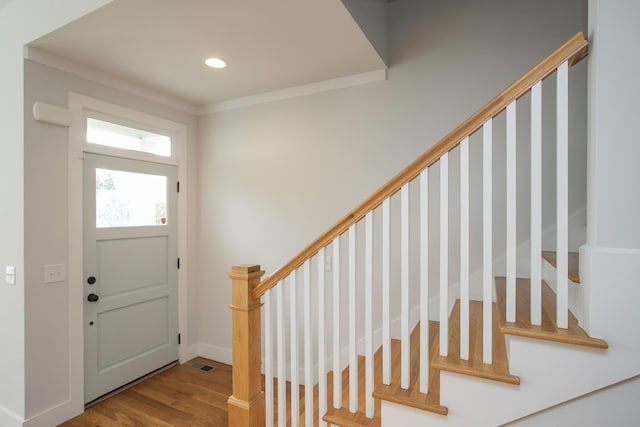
column 179, row 396
column 498, row 370
column 573, row 264
column 547, row 330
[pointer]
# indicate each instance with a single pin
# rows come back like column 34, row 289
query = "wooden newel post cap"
column 245, row 271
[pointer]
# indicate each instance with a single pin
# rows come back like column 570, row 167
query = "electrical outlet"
column 10, row 275
column 54, row 273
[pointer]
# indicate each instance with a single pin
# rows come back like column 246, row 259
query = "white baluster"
column 444, row 254
column 353, row 351
column 404, row 286
column 293, row 341
column 487, row 235
column 368, row 300
column 536, row 204
column 322, row 368
column 562, row 192
column 308, row 359
column 424, row 281
column 282, row 385
column 386, row 286
column 337, row 370
column 464, row 249
column 511, row 212
column 268, row 358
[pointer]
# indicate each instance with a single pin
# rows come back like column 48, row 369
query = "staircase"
column 339, row 293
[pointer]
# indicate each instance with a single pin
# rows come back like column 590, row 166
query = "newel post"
column 246, row 405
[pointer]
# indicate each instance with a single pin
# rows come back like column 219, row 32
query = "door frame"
column 80, row 107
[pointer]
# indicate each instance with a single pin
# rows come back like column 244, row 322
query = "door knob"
column 93, row 298
column 91, row 280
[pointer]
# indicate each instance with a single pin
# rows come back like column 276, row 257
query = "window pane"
column 127, row 199
column 117, row 136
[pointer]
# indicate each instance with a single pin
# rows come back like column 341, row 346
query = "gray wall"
column 46, row 231
column 21, row 21
column 275, row 176
column 611, row 406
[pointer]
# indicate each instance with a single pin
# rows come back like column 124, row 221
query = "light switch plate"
column 10, row 275
column 54, row 273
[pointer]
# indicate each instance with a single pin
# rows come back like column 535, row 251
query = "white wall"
column 21, row 22
column 275, row 176
column 46, row 230
column 606, row 407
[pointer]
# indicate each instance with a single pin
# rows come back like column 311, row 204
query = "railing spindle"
column 337, row 369
column 444, row 255
column 536, row 204
column 293, row 342
column 386, row 285
column 368, row 310
column 308, row 358
column 487, row 236
column 562, row 192
column 353, row 350
column 511, row 212
column 424, row 281
column 322, row 368
column 268, row 358
column 282, row 385
column 464, row 249
column 404, row 287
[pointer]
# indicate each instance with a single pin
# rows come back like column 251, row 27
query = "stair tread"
column 547, row 330
column 412, row 396
column 498, row 370
column 343, row 416
column 573, row 263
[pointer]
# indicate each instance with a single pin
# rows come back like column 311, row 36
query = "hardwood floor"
column 179, row 396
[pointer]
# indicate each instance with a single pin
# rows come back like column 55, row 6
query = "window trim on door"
column 81, row 107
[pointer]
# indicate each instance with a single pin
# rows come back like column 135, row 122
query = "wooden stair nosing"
column 412, row 396
column 573, row 263
column 548, row 331
column 498, row 370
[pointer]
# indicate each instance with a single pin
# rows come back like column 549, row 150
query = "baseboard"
column 9, row 419
column 54, row 415
column 213, row 352
column 189, row 352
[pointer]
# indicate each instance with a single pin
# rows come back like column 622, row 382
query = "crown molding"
column 97, row 76
column 293, row 92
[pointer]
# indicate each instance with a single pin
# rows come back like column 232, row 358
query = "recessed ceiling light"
column 215, row 63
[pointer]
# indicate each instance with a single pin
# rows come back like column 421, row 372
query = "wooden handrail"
column 573, row 50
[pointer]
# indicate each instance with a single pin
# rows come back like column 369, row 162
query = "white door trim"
column 79, row 105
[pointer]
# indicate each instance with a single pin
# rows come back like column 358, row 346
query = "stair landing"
column 547, row 330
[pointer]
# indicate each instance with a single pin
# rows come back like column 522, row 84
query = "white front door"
column 130, row 271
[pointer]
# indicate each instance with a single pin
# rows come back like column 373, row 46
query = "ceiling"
column 269, row 45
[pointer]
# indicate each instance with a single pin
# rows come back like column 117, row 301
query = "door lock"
column 93, row 298
column 91, row 280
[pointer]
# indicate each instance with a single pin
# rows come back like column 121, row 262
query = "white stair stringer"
column 550, row 373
